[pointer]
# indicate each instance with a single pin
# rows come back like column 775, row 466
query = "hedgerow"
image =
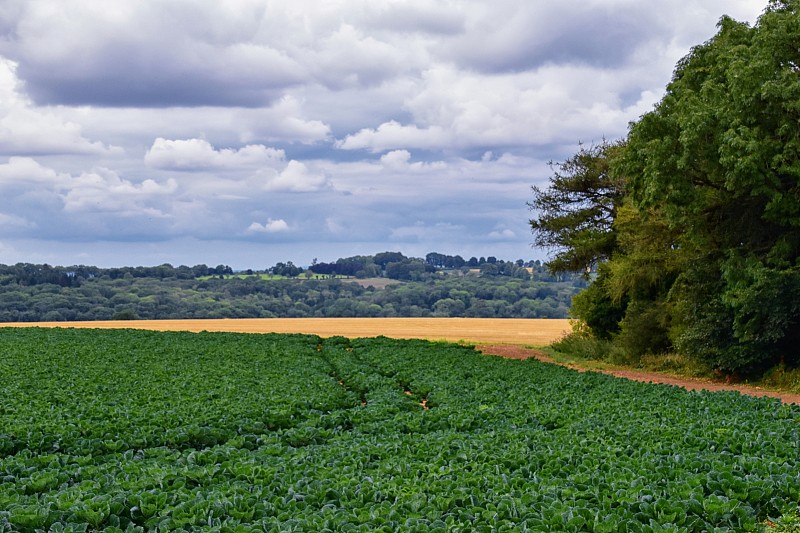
column 123, row 430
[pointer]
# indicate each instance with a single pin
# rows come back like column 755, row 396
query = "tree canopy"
column 701, row 241
column 574, row 215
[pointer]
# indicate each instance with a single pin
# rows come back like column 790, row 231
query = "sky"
column 248, row 132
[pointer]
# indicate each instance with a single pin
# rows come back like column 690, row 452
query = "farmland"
column 127, row 430
column 537, row 332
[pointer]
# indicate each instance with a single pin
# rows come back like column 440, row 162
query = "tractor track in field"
column 502, row 337
column 520, row 352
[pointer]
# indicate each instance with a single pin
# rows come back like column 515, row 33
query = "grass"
column 782, row 378
column 585, row 352
column 592, row 354
column 676, row 364
column 262, row 276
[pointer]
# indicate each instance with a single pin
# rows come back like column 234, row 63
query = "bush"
column 581, row 343
column 644, row 330
column 595, row 307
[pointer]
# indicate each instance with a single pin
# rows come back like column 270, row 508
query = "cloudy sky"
column 247, row 132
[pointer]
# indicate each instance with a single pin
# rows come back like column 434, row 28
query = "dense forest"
column 348, row 287
column 693, row 220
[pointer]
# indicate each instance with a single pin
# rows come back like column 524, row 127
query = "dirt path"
column 519, row 352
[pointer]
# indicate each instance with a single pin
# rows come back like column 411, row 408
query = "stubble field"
column 529, row 332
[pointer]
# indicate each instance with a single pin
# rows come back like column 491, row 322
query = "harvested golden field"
column 525, row 331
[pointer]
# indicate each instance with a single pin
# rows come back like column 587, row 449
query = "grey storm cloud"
column 164, row 54
column 517, row 36
column 159, row 54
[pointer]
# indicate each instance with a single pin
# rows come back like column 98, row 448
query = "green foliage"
column 251, row 297
column 575, row 213
column 788, row 523
column 595, row 307
column 644, row 330
column 706, row 231
column 719, row 157
column 584, row 346
column 136, row 430
column 782, row 377
column 675, row 363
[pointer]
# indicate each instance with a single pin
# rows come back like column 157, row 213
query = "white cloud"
column 400, row 160
column 235, row 170
column 198, row 154
column 271, row 226
column 296, row 177
column 104, row 190
column 22, row 171
column 283, row 121
column 7, row 220
column 502, row 235
column 100, row 189
column 555, row 104
column 392, row 134
column 396, row 159
column 26, row 129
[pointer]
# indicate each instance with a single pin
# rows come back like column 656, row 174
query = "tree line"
column 434, row 286
column 75, row 276
column 153, row 298
column 691, row 223
column 394, row 265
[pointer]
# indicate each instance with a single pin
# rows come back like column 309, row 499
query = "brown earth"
column 519, row 352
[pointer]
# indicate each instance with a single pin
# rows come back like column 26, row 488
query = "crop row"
column 133, row 430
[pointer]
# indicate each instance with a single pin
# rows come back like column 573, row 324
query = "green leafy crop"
column 132, row 430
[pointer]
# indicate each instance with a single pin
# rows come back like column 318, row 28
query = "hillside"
column 36, row 293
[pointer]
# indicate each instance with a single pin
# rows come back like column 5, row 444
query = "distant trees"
column 74, row 276
column 438, row 260
column 287, row 269
column 103, row 298
column 439, row 285
column 395, row 265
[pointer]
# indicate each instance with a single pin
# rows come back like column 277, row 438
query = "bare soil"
column 519, row 352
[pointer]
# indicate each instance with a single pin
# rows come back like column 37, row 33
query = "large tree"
column 702, row 237
column 573, row 216
column 720, row 156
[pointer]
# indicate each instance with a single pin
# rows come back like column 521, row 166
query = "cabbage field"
column 124, row 430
